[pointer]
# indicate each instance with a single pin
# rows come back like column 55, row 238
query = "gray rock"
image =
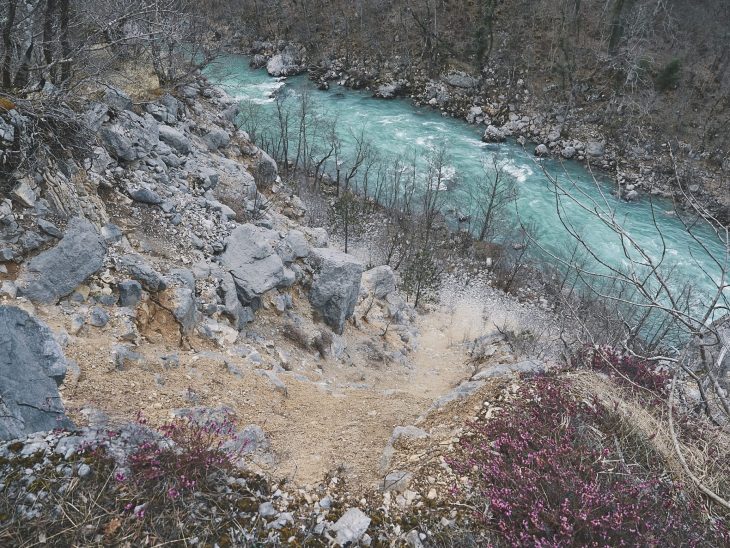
column 595, row 149
column 130, row 136
column 111, row 233
column 84, row 470
column 265, row 171
column 139, row 270
column 276, row 382
column 175, row 139
column 49, row 228
column 464, row 390
column 336, row 285
column 397, row 481
column 24, row 194
column 266, row 509
column 218, row 138
column 568, row 152
column 179, row 299
column 542, row 150
column 413, row 539
column 502, row 370
column 56, row 272
column 117, row 99
column 123, row 356
column 32, row 366
column 283, row 64
column 351, row 527
column 252, row 262
column 130, row 293
column 461, row 80
column 389, row 90
column 379, row 281
column 145, row 196
column 98, row 317
column 166, row 110
column 8, row 289
column 293, row 246
column 631, row 196
column 7, row 132
column 493, row 134
column 238, row 314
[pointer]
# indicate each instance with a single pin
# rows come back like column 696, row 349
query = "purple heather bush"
column 625, row 368
column 547, row 473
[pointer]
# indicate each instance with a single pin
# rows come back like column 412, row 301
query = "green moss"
column 248, row 505
column 16, row 446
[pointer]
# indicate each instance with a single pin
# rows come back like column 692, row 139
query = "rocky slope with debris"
column 172, row 275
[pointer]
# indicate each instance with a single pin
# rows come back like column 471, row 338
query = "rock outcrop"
column 56, row 272
column 336, row 285
column 250, row 257
column 32, row 366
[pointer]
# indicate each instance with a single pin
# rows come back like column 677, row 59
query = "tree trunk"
column 48, row 39
column 65, row 41
column 8, row 44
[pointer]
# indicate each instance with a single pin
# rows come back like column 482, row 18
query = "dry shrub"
column 641, row 427
column 297, row 334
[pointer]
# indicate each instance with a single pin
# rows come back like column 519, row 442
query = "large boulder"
column 293, row 246
column 336, row 285
column 217, row 138
column 493, row 134
column 390, row 90
column 167, row 110
column 595, row 149
column 130, row 136
column 56, row 272
column 461, row 80
column 285, row 63
column 251, row 259
column 32, row 366
column 179, row 299
column 266, row 170
column 379, row 281
column 175, row 139
column 142, row 272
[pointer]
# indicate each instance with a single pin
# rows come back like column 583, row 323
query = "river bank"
column 507, row 106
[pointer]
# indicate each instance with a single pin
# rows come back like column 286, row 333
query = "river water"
column 398, row 128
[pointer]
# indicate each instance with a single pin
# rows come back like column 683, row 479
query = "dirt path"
column 340, row 419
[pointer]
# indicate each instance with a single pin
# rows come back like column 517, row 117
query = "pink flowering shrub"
column 625, row 368
column 188, row 453
column 545, row 474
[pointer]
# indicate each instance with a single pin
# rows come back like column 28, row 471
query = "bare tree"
column 663, row 320
column 491, row 195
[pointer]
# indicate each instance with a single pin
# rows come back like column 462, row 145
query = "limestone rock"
column 32, row 366
column 56, row 272
column 351, row 527
column 336, row 285
column 130, row 136
column 139, row 270
column 175, row 139
column 379, row 281
column 493, row 134
column 266, row 170
column 251, row 260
